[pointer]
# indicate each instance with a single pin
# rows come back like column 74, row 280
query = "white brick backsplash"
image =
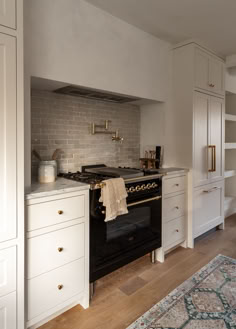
column 60, row 121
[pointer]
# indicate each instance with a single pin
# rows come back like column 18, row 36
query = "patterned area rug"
column 205, row 301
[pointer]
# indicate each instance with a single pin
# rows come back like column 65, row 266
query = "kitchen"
column 76, row 43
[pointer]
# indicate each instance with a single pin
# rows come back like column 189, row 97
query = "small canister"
column 47, row 171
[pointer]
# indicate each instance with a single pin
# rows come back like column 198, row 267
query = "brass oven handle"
column 213, row 158
column 143, row 201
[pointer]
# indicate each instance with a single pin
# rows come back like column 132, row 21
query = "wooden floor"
column 121, row 297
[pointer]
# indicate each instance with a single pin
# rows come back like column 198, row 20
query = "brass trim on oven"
column 143, row 201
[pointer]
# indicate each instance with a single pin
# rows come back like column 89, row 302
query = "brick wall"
column 60, row 121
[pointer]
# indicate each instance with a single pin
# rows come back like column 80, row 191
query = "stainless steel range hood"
column 95, row 94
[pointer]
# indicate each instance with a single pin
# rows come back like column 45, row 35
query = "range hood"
column 95, row 94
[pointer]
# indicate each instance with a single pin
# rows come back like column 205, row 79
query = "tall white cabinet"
column 195, row 137
column 11, row 166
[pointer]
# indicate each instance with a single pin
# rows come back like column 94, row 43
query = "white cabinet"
column 208, row 138
column 196, row 134
column 7, row 271
column 8, row 311
column 57, row 254
column 174, row 213
column 208, row 207
column 8, row 13
column 209, row 72
column 7, row 137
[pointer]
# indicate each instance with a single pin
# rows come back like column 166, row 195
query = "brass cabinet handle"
column 211, row 85
column 60, row 249
column 177, row 230
column 177, row 207
column 177, row 185
column 213, row 158
column 60, row 212
column 211, row 190
column 60, row 286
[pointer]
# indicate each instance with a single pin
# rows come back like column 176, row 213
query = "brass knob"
column 131, row 189
column 177, row 185
column 137, row 188
column 177, row 207
column 149, row 186
column 103, row 212
column 177, row 230
column 154, row 185
column 60, row 249
column 60, row 212
column 142, row 187
column 60, row 286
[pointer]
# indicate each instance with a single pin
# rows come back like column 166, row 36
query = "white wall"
column 74, row 42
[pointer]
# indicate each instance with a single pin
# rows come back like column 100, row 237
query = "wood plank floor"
column 122, row 296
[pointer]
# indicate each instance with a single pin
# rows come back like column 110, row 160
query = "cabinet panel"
column 174, row 207
column 8, row 13
column 7, row 137
column 174, row 231
column 216, row 75
column 51, row 250
column 52, row 288
column 200, row 139
column 54, row 212
column 8, row 311
column 201, row 69
column 7, row 270
column 208, row 207
column 216, row 135
column 174, row 184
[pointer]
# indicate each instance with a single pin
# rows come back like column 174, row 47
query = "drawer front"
column 208, row 207
column 7, row 271
column 175, row 184
column 49, row 251
column 174, row 231
column 8, row 13
column 44, row 291
column 174, row 207
column 54, row 212
column 8, row 311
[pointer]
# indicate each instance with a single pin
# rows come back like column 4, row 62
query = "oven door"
column 117, row 242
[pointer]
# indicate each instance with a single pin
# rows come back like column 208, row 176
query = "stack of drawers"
column 174, row 213
column 8, row 288
column 57, row 253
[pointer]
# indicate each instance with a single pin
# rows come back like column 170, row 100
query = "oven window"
column 135, row 220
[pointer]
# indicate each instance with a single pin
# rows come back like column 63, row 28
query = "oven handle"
column 143, row 201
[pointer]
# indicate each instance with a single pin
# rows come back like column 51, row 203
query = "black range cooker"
column 130, row 236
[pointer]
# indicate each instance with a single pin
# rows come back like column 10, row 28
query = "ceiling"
column 212, row 21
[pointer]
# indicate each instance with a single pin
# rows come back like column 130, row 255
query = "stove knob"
column 143, row 187
column 137, row 188
column 131, row 189
column 149, row 186
column 154, row 185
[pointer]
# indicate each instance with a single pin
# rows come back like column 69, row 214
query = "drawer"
column 174, row 231
column 174, row 207
column 54, row 212
column 8, row 311
column 53, row 288
column 175, row 184
column 7, row 271
column 49, row 251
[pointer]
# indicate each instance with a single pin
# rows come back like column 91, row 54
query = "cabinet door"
column 8, row 311
column 8, row 13
column 216, row 137
column 7, row 137
column 201, row 69
column 216, row 75
column 208, row 207
column 200, row 139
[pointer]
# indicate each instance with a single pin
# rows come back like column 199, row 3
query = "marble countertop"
column 61, row 185
column 172, row 171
